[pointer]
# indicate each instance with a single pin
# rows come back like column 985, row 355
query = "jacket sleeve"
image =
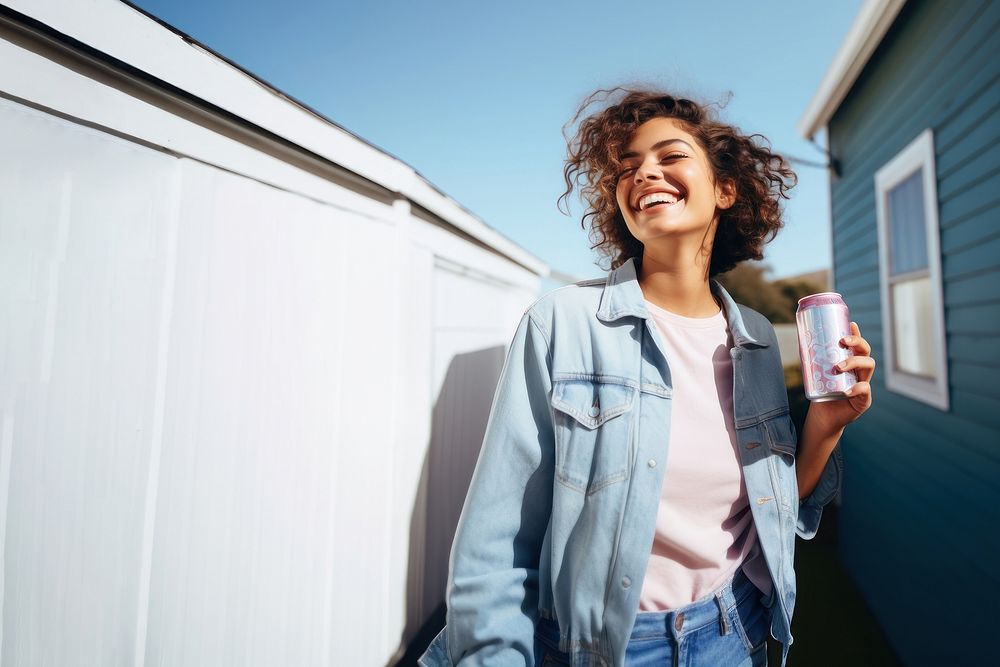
column 492, row 593
column 827, row 488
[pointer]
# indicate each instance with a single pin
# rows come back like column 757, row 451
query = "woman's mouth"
column 658, row 203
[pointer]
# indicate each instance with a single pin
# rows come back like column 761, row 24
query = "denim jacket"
column 561, row 510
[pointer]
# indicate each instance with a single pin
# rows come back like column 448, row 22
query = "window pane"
column 913, row 327
column 907, row 227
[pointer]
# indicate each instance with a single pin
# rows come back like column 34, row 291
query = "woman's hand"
column 838, row 414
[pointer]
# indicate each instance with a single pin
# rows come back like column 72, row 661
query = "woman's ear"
column 725, row 194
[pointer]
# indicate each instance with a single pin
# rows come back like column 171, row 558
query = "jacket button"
column 626, row 582
column 651, row 463
column 679, row 621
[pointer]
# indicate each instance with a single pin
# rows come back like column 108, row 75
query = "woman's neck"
column 684, row 291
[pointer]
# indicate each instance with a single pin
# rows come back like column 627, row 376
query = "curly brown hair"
column 761, row 177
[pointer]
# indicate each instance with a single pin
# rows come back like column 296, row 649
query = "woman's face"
column 664, row 159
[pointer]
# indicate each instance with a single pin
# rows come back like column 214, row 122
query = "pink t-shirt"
column 704, row 529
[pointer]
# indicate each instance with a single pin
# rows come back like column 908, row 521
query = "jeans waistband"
column 712, row 608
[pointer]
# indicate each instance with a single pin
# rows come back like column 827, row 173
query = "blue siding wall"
column 921, row 499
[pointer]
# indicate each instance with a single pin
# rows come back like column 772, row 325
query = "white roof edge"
column 127, row 34
column 865, row 34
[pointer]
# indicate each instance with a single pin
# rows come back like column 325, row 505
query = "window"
column 915, row 348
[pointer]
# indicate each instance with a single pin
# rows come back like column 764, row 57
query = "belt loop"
column 723, row 617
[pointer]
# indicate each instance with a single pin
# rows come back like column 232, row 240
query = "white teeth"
column 657, row 197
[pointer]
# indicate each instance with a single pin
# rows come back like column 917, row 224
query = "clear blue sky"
column 473, row 95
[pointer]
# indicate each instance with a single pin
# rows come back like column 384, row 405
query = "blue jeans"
column 729, row 627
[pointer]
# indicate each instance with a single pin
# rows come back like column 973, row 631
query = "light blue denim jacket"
column 561, row 510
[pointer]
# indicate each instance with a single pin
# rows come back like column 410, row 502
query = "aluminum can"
column 821, row 321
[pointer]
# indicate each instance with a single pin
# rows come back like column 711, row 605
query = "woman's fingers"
column 864, row 367
column 861, row 390
column 857, row 344
column 861, row 362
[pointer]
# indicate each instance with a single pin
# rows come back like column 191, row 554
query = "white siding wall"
column 219, row 401
column 469, row 349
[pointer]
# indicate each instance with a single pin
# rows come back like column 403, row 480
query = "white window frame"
column 919, row 153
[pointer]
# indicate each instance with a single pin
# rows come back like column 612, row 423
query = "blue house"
column 910, row 108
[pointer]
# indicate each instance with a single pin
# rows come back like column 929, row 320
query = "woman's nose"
column 647, row 170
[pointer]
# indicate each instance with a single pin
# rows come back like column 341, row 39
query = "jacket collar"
column 622, row 296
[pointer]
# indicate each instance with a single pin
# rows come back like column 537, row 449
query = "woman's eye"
column 665, row 158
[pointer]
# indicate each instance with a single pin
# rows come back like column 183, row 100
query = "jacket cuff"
column 829, row 485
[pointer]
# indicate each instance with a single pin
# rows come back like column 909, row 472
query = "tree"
column 775, row 300
column 796, row 288
column 747, row 284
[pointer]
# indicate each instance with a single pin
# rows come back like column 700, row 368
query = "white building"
column 246, row 359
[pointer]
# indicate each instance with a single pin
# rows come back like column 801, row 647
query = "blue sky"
column 474, row 95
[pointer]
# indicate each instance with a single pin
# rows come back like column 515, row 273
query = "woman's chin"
column 665, row 220
column 652, row 228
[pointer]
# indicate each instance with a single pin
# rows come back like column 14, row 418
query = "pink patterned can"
column 822, row 320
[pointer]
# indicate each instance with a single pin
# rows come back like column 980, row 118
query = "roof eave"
column 120, row 32
column 865, row 34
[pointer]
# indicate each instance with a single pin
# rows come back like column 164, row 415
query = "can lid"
column 821, row 299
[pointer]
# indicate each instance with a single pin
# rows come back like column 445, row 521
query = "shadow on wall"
column 458, row 425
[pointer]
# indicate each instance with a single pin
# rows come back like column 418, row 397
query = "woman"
column 640, row 483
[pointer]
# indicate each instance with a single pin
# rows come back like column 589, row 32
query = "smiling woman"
column 641, row 483
column 605, row 151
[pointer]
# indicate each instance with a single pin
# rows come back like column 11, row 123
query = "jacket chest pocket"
column 593, row 431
